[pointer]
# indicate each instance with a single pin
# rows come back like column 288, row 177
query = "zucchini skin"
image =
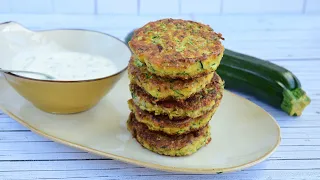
column 264, row 80
column 261, row 68
column 244, row 82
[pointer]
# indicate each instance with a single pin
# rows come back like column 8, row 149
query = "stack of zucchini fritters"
column 175, row 89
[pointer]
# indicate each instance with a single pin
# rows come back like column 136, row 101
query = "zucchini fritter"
column 177, row 48
column 177, row 145
column 164, row 88
column 171, row 126
column 194, row 106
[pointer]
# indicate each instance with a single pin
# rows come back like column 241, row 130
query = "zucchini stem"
column 294, row 101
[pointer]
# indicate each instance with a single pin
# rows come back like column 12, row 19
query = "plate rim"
column 153, row 165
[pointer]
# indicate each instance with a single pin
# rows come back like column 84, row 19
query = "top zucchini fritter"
column 177, row 48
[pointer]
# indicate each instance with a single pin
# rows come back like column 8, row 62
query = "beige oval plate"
column 243, row 134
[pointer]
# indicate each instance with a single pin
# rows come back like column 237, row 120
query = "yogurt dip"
column 63, row 65
column 36, row 52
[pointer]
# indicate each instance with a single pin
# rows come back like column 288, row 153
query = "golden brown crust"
column 207, row 41
column 203, row 98
column 165, row 88
column 173, row 126
column 176, row 43
column 160, row 140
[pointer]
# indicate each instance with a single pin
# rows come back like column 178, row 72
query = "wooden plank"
column 303, row 155
column 2, row 114
column 35, row 147
column 273, row 44
column 20, row 136
column 36, row 155
column 78, row 165
column 312, row 6
column 301, row 66
column 276, row 51
column 115, row 169
column 301, row 142
column 298, row 148
column 260, row 22
column 11, row 125
column 49, row 156
column 277, row 54
column 270, row 35
column 142, row 174
column 4, row 118
column 295, row 145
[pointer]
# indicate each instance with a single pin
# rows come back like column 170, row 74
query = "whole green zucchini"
column 264, row 80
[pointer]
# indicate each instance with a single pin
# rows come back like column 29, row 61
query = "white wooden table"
column 292, row 41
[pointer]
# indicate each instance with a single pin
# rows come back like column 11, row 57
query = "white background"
column 173, row 7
